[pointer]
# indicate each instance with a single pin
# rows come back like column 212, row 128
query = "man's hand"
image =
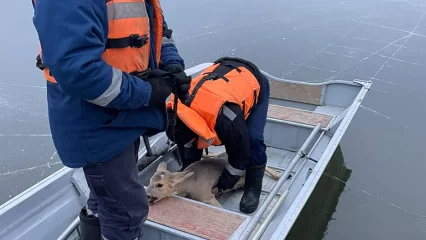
column 227, row 180
column 161, row 83
column 183, row 82
column 174, row 68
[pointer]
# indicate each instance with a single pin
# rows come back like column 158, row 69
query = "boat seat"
column 195, row 218
column 298, row 115
column 296, row 92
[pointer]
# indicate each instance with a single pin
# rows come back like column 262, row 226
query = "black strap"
column 247, row 64
column 39, row 64
column 167, row 32
column 196, row 88
column 218, row 73
column 134, row 41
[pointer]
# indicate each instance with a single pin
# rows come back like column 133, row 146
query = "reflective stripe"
column 208, row 141
column 189, row 144
column 112, row 91
column 126, row 10
column 228, row 113
column 234, row 171
column 91, row 213
column 168, row 41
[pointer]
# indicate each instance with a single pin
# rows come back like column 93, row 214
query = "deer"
column 196, row 182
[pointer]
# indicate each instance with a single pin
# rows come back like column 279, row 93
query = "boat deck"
column 278, row 160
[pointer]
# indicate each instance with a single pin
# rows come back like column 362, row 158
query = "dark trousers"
column 117, row 196
column 256, row 124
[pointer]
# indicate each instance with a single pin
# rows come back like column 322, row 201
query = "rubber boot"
column 252, row 189
column 90, row 228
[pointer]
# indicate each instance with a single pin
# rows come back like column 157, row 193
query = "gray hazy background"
column 312, row 40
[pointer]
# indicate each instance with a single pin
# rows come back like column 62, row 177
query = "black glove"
column 174, row 68
column 227, row 180
column 161, row 83
column 183, row 82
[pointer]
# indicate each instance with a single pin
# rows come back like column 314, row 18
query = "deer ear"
column 162, row 166
column 179, row 177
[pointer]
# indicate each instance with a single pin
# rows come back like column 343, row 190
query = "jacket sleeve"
column 169, row 52
column 73, row 35
column 231, row 128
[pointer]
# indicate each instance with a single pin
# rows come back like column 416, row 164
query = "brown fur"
column 195, row 182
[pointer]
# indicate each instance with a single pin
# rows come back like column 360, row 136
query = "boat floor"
column 278, row 160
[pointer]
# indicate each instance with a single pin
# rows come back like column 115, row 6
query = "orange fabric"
column 129, row 59
column 243, row 89
column 158, row 28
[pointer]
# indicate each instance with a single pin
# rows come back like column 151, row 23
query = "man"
column 97, row 109
column 227, row 105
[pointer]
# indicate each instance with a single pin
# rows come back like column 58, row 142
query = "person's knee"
column 258, row 147
column 123, row 222
column 256, row 136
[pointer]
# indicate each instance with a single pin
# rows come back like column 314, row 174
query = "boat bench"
column 301, row 93
column 196, row 218
column 298, row 116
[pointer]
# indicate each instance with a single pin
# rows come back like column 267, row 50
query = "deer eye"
column 159, row 185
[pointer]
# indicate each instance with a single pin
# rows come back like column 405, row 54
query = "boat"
column 306, row 122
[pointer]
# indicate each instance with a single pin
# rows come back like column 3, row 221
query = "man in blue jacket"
column 93, row 54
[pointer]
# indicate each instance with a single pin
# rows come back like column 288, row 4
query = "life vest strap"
column 134, row 41
column 218, row 73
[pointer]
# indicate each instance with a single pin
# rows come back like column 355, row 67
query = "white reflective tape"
column 234, row 171
column 91, row 213
column 167, row 41
column 126, row 10
column 208, row 141
column 189, row 144
column 228, row 113
column 112, row 91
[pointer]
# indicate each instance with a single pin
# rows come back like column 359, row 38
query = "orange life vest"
column 228, row 80
column 127, row 47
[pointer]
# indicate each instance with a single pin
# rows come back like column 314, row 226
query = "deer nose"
column 151, row 199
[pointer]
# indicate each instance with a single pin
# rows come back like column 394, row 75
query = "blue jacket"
column 72, row 35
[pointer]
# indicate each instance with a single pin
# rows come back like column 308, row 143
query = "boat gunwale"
column 304, row 194
column 34, row 188
column 356, row 82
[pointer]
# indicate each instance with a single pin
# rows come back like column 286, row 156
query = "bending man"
column 227, row 105
column 94, row 53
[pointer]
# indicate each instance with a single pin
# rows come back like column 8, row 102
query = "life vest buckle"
column 39, row 63
column 137, row 41
column 167, row 32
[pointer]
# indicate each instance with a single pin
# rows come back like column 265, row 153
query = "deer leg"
column 273, row 173
column 212, row 201
column 240, row 183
